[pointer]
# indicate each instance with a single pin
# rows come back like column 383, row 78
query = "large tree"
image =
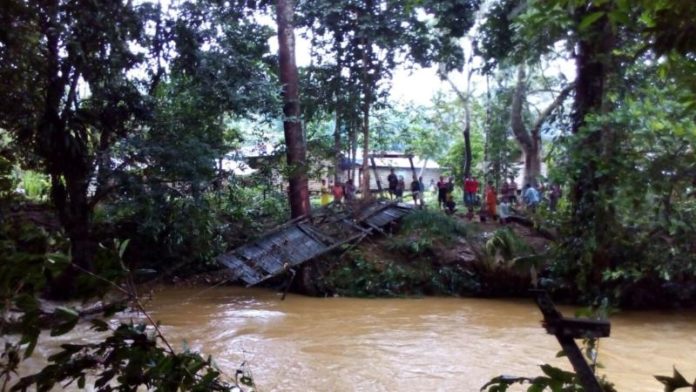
column 605, row 38
column 84, row 78
column 65, row 66
column 295, row 141
column 529, row 138
column 367, row 39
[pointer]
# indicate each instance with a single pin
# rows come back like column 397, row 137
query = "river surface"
column 428, row 344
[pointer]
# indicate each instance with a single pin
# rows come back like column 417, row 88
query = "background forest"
column 117, row 117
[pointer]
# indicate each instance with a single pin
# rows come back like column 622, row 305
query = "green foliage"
column 414, row 246
column 448, row 118
column 357, row 45
column 505, row 245
column 651, row 172
column 366, row 276
column 28, row 257
column 129, row 358
column 434, row 226
column 501, row 149
column 165, row 231
column 677, row 381
column 123, row 100
column 630, row 159
column 554, row 380
column 7, row 182
column 257, row 207
column 36, row 185
column 410, row 262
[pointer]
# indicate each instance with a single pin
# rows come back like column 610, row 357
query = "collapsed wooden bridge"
column 302, row 239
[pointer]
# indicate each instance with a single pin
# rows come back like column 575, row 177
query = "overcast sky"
column 419, row 85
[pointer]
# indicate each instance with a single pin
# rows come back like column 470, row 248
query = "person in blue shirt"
column 531, row 197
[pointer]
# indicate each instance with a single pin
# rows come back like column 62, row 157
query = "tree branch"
column 549, row 109
column 516, row 121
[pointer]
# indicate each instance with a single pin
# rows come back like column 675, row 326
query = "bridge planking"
column 303, row 239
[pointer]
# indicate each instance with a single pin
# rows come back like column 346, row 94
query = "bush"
column 434, row 225
column 36, row 186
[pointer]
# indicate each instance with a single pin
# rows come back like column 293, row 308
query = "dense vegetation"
column 119, row 116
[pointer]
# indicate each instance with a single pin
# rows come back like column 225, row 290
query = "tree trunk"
column 67, row 164
column 337, row 147
column 530, row 147
column 366, row 151
column 70, row 200
column 467, row 126
column 466, row 131
column 423, row 166
column 298, row 191
column 367, row 98
column 467, row 143
column 532, row 164
column 353, row 149
column 530, row 141
column 592, row 217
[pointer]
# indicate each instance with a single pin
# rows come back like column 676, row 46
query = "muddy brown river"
column 428, row 344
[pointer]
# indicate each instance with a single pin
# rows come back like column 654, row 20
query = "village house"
column 403, row 164
column 248, row 160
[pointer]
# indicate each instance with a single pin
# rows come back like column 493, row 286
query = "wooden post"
column 379, row 183
column 568, row 329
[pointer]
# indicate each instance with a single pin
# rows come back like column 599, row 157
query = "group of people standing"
column 531, row 197
column 338, row 190
column 397, row 185
column 496, row 205
column 445, row 189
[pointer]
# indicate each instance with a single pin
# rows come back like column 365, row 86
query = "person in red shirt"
column 470, row 189
column 337, row 192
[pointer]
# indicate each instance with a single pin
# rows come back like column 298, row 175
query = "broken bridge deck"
column 302, row 239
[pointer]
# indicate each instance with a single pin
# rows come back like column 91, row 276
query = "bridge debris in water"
column 302, row 239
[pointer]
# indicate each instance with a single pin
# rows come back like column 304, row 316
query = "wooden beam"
column 556, row 324
column 374, row 170
column 386, row 155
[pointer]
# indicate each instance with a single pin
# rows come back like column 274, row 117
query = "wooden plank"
column 269, row 264
column 271, row 257
column 374, row 171
column 242, row 270
column 298, row 241
column 317, row 236
column 377, row 221
column 390, row 212
column 387, row 155
column 326, row 239
column 326, row 250
column 352, row 225
column 570, row 347
column 250, row 252
column 302, row 248
column 375, row 227
column 370, row 212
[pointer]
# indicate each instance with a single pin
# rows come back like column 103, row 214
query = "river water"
column 427, row 344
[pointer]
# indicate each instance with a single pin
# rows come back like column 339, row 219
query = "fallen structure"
column 303, row 239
